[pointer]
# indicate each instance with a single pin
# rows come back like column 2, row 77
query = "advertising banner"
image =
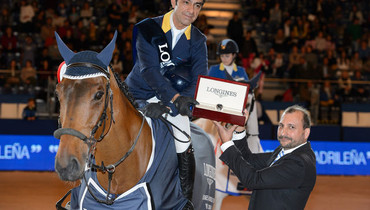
column 28, row 152
column 37, row 153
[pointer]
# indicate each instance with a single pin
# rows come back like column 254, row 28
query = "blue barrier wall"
column 37, row 153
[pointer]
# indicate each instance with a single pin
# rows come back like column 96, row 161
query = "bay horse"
column 123, row 159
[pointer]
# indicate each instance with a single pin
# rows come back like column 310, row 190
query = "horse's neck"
column 118, row 142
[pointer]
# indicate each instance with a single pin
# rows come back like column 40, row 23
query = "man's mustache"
column 284, row 137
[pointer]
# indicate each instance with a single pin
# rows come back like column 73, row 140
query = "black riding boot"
column 186, row 173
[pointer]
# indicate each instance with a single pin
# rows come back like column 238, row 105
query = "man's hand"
column 184, row 104
column 155, row 110
column 226, row 133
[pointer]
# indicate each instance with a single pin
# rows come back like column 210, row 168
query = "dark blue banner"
column 37, row 153
column 335, row 158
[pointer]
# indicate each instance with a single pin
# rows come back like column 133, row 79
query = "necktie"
column 281, row 154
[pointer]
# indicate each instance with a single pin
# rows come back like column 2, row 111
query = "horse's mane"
column 124, row 88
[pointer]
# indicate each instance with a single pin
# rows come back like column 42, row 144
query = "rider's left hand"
column 155, row 110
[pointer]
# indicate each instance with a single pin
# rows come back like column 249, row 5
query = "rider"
column 170, row 53
column 228, row 50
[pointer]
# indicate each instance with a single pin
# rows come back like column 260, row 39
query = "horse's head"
column 84, row 95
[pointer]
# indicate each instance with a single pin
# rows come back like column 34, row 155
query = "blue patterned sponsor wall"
column 37, row 153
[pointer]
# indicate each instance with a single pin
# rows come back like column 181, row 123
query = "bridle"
column 91, row 141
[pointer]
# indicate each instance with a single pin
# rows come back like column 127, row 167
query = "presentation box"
column 221, row 100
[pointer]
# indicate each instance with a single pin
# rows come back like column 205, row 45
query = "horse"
column 226, row 182
column 123, row 159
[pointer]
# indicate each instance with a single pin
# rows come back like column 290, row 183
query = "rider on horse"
column 170, row 54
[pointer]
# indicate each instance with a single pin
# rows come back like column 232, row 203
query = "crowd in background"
column 28, row 47
column 325, row 42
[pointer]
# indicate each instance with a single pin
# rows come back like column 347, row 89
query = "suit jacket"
column 145, row 80
column 286, row 184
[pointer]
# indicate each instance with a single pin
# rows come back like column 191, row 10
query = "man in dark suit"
column 282, row 179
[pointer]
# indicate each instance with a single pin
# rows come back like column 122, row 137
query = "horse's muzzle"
column 72, row 172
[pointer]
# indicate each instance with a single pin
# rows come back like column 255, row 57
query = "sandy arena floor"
column 41, row 190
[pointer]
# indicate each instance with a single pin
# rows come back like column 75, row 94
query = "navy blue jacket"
column 145, row 80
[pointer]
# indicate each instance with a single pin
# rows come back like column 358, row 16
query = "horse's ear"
column 66, row 53
column 106, row 54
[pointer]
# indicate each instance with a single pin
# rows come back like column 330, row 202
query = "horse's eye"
column 98, row 95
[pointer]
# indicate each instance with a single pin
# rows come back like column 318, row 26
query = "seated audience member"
column 29, row 112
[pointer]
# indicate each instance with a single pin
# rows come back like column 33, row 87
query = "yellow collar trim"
column 222, row 67
column 166, row 25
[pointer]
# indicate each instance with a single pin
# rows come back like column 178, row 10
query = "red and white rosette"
column 61, row 70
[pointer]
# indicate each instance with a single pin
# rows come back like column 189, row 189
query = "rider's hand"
column 155, row 110
column 184, row 105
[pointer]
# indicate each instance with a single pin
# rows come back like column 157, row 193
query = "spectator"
column 324, row 70
column 332, row 59
column 248, row 51
column 74, row 15
column 128, row 59
column 29, row 112
column 86, row 13
column 345, row 86
column 279, row 41
column 114, row 14
column 343, row 63
column 278, row 66
column 9, row 41
column 92, row 33
column 354, row 32
column 235, row 29
column 356, row 63
column 249, row 45
column 44, row 74
column 28, row 50
column 117, row 63
column 275, row 17
column 294, row 56
column 260, row 63
column 360, row 93
column 6, row 18
column 62, row 30
column 28, row 74
column 329, row 101
column 25, row 17
column 356, row 14
column 320, row 42
column 13, row 80
column 47, row 32
column 329, row 44
column 43, row 55
column 311, row 57
column 301, row 30
column 364, row 51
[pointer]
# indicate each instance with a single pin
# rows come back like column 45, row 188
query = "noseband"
column 91, row 141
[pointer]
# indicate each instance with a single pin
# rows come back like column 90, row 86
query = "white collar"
column 175, row 32
column 287, row 151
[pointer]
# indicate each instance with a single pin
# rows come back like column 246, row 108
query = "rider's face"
column 185, row 12
column 227, row 59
